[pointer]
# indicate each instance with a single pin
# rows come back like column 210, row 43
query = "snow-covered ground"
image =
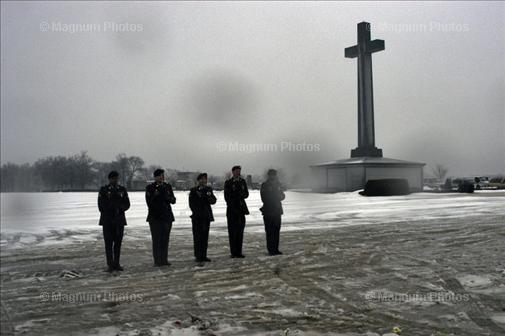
column 47, row 218
column 425, row 264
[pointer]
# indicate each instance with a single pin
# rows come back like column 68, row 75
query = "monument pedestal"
column 352, row 174
column 366, row 151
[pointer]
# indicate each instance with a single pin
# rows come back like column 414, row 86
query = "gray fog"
column 182, row 83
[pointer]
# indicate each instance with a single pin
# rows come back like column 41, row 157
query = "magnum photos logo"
column 283, row 146
column 105, row 27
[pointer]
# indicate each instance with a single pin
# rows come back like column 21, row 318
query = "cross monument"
column 366, row 129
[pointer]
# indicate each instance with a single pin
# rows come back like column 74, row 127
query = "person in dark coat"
column 113, row 201
column 235, row 193
column 272, row 194
column 200, row 200
column 159, row 197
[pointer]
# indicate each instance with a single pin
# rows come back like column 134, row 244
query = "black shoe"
column 232, row 256
column 118, row 268
column 272, row 254
column 166, row 263
column 207, row 259
column 278, row 252
column 198, row 260
column 110, row 269
column 240, row 256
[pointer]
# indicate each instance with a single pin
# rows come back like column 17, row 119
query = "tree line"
column 80, row 172
column 75, row 172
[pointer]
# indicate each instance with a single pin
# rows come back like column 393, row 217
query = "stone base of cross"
column 366, row 151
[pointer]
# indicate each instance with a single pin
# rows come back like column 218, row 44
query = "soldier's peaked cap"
column 158, row 172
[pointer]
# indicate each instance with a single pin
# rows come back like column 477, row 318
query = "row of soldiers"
column 113, row 202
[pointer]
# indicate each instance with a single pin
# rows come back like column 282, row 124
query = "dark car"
column 459, row 184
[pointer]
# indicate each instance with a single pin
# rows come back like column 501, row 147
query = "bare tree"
column 135, row 164
column 127, row 167
column 16, row 177
column 82, row 169
column 121, row 166
column 54, row 172
column 439, row 171
column 101, row 171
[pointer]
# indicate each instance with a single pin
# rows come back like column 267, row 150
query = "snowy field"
column 48, row 218
column 426, row 264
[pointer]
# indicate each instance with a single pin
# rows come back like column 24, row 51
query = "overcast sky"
column 180, row 83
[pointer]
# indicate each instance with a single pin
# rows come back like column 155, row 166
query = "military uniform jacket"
column 113, row 201
column 159, row 198
column 200, row 201
column 235, row 193
column 271, row 196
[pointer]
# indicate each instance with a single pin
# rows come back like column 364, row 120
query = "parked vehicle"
column 459, row 184
column 481, row 182
column 497, row 183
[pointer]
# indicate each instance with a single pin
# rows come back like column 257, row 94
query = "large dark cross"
column 363, row 51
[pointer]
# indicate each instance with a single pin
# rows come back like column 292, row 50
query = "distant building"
column 352, row 174
column 185, row 180
column 139, row 184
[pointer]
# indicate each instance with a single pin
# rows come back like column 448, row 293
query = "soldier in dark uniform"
column 113, row 201
column 200, row 200
column 159, row 196
column 271, row 195
column 235, row 193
